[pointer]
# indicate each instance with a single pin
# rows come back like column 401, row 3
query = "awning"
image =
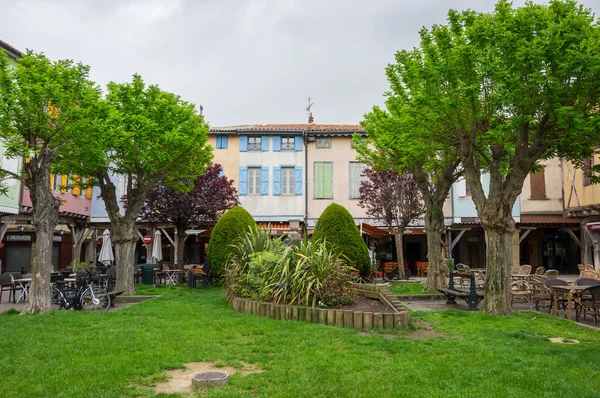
column 373, row 231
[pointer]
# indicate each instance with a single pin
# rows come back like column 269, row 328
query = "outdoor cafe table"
column 24, row 284
column 172, row 276
column 570, row 291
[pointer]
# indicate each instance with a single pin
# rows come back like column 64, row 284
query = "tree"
column 150, row 137
column 44, row 106
column 394, row 198
column 336, row 226
column 507, row 88
column 396, row 140
column 210, row 196
column 230, row 226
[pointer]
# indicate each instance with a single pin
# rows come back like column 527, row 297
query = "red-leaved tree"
column 394, row 198
column 210, row 197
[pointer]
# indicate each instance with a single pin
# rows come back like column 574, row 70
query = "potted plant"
column 450, row 264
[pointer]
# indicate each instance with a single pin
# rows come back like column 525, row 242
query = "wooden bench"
column 472, row 297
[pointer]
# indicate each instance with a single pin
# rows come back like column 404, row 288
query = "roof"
column 291, row 128
column 7, row 47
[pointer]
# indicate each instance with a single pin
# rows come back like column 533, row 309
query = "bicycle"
column 85, row 296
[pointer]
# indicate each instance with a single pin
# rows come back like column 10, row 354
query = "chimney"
column 310, row 118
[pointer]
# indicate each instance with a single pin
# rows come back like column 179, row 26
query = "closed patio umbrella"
column 157, row 247
column 106, row 256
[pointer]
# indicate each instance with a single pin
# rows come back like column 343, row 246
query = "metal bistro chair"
column 6, row 284
column 591, row 304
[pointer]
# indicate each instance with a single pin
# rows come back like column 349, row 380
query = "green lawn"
column 77, row 354
column 409, row 288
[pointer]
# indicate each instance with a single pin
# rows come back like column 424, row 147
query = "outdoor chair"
column 590, row 305
column 550, row 283
column 6, row 284
column 551, row 273
column 519, row 290
column 422, row 268
column 524, row 270
column 590, row 267
column 586, row 282
column 581, row 267
column 137, row 273
column 539, row 292
column 588, row 274
column 540, row 270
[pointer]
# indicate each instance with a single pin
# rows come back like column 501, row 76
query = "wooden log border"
column 398, row 319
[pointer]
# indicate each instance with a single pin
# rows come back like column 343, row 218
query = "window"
column 82, row 189
column 323, row 180
column 56, row 183
column 254, row 181
column 288, row 143
column 588, row 164
column 463, row 188
column 356, row 178
column 323, row 142
column 222, row 141
column 287, row 180
column 537, row 182
column 254, row 144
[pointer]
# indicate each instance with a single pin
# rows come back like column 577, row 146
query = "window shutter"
column 328, row 180
column 221, row 172
column 76, row 190
column 537, row 183
column 462, row 188
column 276, row 179
column 298, row 142
column 51, row 181
column 63, row 181
column 264, row 181
column 219, row 141
column 298, row 182
column 264, row 143
column 276, row 143
column 587, row 170
column 318, row 186
column 243, row 183
column 224, row 142
column 11, row 164
column 88, row 193
column 244, row 143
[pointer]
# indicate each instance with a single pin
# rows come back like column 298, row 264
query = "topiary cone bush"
column 337, row 227
column 231, row 225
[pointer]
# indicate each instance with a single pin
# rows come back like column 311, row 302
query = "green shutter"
column 328, row 180
column 318, row 180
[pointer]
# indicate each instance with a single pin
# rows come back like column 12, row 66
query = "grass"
column 120, row 354
column 409, row 288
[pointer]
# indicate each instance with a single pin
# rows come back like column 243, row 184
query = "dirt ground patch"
column 561, row 340
column 366, row 304
column 425, row 331
column 181, row 379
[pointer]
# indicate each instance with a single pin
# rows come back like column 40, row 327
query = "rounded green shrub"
column 337, row 227
column 231, row 225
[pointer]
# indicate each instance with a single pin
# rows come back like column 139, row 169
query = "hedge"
column 231, row 225
column 337, row 226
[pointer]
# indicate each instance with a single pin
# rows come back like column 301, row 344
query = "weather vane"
column 310, row 104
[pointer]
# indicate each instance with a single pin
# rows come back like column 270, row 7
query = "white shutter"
column 10, row 164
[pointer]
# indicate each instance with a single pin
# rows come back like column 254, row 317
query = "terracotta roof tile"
column 314, row 127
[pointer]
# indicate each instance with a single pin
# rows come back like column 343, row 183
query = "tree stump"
column 210, row 379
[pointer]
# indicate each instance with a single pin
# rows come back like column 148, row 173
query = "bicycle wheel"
column 95, row 299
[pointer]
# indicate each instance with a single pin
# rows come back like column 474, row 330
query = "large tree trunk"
column 45, row 218
column 499, row 261
column 400, row 252
column 124, row 237
column 434, row 225
column 181, row 237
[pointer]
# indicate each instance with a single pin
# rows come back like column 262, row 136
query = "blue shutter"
column 298, row 182
column 277, row 143
column 244, row 143
column 277, row 180
column 264, row 181
column 224, row 142
column 298, row 143
column 264, row 143
column 219, row 141
column 243, row 183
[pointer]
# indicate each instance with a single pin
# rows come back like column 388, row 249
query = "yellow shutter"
column 63, row 181
column 88, row 193
column 51, row 181
column 76, row 190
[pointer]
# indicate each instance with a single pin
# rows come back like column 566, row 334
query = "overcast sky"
column 245, row 62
